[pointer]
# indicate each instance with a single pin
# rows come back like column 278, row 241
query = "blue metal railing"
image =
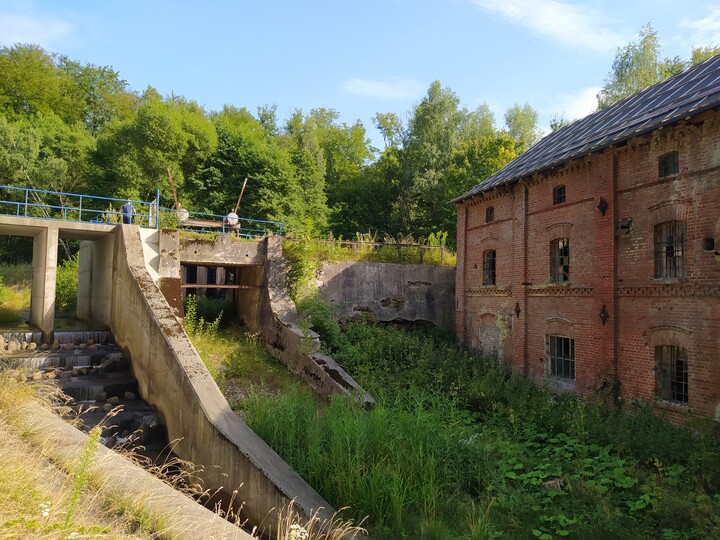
column 56, row 205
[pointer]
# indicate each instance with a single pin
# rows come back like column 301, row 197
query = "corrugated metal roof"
column 685, row 94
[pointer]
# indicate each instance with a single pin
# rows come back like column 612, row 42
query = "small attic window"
column 669, row 164
column 558, row 194
column 489, row 214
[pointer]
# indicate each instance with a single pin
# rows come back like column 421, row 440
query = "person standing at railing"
column 233, row 223
column 128, row 211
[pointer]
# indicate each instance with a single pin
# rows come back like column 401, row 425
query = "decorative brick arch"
column 560, row 327
column 669, row 211
column 489, row 242
column 558, row 230
column 670, row 334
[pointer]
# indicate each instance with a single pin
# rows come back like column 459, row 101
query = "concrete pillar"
column 42, row 299
column 85, row 267
column 169, row 270
column 102, row 279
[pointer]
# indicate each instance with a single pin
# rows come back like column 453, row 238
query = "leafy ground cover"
column 457, row 448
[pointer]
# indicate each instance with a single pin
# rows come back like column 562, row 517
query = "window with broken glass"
column 670, row 249
column 558, row 194
column 560, row 260
column 489, row 267
column 669, row 164
column 672, row 373
column 489, row 214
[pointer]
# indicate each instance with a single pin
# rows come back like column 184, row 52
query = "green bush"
column 66, row 288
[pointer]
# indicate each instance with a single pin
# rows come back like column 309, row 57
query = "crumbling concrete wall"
column 174, row 380
column 389, row 292
column 268, row 310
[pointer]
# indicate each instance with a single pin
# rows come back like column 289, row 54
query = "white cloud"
column 571, row 24
column 575, row 106
column 394, row 89
column 44, row 31
column 706, row 31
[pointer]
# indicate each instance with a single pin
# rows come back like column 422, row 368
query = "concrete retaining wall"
column 269, row 311
column 173, row 378
column 389, row 292
column 265, row 306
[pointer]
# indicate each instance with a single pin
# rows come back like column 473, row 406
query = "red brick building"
column 592, row 259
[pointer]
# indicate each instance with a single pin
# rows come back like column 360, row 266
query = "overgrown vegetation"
column 38, row 499
column 66, row 286
column 457, row 447
column 15, row 281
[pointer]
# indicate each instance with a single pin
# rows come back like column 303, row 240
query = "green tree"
column 307, row 156
column 390, row 127
column 521, row 125
column 246, row 149
column 43, row 152
column 101, row 95
column 433, row 133
column 700, row 54
column 135, row 155
column 30, row 83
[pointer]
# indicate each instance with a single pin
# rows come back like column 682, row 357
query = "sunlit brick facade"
column 614, row 284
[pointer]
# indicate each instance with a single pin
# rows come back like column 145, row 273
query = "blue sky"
column 361, row 57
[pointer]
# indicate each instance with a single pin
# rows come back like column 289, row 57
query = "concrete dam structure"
column 130, row 279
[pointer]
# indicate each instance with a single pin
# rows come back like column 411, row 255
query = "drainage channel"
column 95, row 377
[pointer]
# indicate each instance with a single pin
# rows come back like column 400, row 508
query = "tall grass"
column 39, row 500
column 15, row 282
column 458, row 447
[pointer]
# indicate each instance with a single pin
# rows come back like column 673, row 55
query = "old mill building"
column 592, row 259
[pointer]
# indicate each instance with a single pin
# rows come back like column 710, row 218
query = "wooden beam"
column 218, row 286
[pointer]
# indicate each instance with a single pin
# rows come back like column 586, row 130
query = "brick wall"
column 612, row 269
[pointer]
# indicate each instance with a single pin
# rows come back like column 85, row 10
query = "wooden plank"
column 217, row 286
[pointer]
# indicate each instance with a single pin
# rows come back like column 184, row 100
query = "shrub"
column 66, row 287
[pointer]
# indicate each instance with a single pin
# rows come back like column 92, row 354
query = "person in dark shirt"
column 128, row 211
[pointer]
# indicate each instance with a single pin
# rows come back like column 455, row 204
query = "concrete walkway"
column 113, row 475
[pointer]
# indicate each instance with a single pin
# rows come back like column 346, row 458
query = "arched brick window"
column 489, row 214
column 558, row 194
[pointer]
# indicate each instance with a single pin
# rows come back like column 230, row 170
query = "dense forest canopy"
column 78, row 128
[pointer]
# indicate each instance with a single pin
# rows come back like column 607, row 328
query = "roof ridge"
column 690, row 92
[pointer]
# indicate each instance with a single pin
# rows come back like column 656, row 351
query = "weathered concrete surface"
column 95, row 275
column 173, row 378
column 270, row 311
column 265, row 306
column 220, row 250
column 116, row 476
column 389, row 292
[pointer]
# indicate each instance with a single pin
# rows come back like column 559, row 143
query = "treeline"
column 70, row 127
column 79, row 128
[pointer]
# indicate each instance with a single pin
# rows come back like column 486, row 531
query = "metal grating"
column 685, row 94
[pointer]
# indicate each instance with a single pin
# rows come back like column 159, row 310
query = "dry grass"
column 36, row 495
column 44, row 500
